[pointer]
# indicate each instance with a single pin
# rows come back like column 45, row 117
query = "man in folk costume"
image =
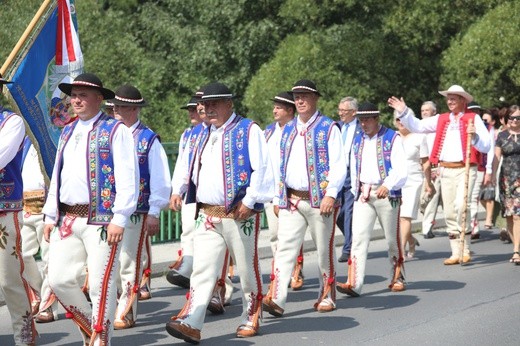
column 181, row 270
column 154, row 194
column 16, row 289
column 34, row 191
column 350, row 127
column 93, row 193
column 230, row 179
column 283, row 112
column 311, row 173
column 449, row 153
column 377, row 175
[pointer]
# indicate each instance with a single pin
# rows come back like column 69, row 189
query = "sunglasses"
column 517, row 118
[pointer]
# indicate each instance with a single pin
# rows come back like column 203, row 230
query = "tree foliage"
column 489, row 54
column 369, row 49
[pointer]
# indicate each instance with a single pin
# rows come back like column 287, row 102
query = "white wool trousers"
column 293, row 222
column 430, row 212
column 213, row 236
column 188, row 230
column 12, row 281
column 73, row 244
column 32, row 241
column 365, row 214
column 133, row 247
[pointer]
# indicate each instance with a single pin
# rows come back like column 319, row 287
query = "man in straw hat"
column 377, row 175
column 310, row 174
column 154, row 194
column 16, row 289
column 283, row 112
column 449, row 153
column 230, row 179
column 92, row 195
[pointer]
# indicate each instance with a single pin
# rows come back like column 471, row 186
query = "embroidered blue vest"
column 144, row 138
column 236, row 164
column 100, row 167
column 184, row 138
column 317, row 153
column 269, row 130
column 385, row 142
column 11, row 184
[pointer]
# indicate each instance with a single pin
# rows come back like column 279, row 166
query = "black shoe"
column 429, row 235
column 177, row 279
column 343, row 258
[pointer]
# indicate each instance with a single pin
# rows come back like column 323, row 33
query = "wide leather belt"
column 33, row 201
column 216, row 211
column 79, row 210
column 459, row 164
column 298, row 194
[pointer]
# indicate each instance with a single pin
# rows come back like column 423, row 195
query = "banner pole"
column 25, row 35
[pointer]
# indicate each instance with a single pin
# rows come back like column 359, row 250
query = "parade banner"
column 47, row 54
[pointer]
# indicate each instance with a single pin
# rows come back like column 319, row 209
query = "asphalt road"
column 477, row 304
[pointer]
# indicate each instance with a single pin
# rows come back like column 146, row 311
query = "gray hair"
column 431, row 104
column 352, row 101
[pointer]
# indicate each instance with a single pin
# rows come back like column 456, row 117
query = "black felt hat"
column 191, row 103
column 284, row 97
column 367, row 110
column 89, row 80
column 217, row 91
column 128, row 95
column 305, row 86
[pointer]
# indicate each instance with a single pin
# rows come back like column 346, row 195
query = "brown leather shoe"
column 45, row 316
column 271, row 307
column 144, row 293
column 326, row 305
column 246, row 331
column 451, row 261
column 215, row 305
column 123, row 324
column 398, row 286
column 297, row 284
column 346, row 288
column 181, row 330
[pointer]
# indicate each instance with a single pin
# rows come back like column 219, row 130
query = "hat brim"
column 465, row 95
column 367, row 115
column 304, row 91
column 67, row 89
column 283, row 102
column 213, row 98
column 117, row 102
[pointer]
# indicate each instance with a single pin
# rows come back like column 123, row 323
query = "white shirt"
column 181, row 172
column 11, row 138
column 32, row 171
column 297, row 177
column 159, row 176
column 369, row 174
column 210, row 189
column 74, row 183
column 452, row 147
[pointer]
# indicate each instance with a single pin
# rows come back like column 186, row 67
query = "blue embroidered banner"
column 50, row 55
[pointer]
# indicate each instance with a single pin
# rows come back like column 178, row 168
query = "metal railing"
column 171, row 225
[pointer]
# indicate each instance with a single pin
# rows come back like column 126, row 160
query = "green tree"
column 485, row 60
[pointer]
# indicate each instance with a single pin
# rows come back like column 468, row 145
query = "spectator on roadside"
column 507, row 148
column 430, row 203
column 419, row 177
